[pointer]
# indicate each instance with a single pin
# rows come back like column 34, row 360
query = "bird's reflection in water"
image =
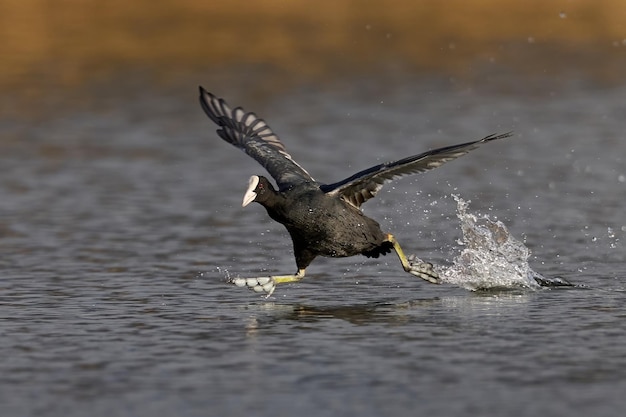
column 358, row 314
column 389, row 313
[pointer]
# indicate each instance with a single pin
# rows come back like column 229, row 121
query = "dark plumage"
column 322, row 219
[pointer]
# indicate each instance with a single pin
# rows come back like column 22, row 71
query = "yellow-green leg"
column 267, row 284
column 413, row 265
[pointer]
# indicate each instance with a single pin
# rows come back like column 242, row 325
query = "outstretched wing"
column 365, row 184
column 251, row 134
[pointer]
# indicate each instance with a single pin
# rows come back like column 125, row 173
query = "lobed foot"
column 422, row 269
column 260, row 284
column 552, row 282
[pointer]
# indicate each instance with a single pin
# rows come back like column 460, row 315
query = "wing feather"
column 251, row 134
column 364, row 185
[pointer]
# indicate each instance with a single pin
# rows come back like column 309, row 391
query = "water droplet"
column 563, row 15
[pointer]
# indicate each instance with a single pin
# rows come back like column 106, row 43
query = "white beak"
column 250, row 194
column 248, row 197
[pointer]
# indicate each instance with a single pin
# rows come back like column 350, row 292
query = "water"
column 492, row 257
column 119, row 225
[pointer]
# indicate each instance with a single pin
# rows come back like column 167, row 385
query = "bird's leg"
column 414, row 266
column 267, row 284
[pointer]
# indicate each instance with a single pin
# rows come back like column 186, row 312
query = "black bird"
column 322, row 219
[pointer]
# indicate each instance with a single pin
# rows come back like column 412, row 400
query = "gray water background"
column 120, row 219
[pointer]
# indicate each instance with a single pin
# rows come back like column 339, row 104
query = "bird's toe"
column 424, row 270
column 260, row 285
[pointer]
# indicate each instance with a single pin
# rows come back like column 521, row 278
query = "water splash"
column 225, row 273
column 492, row 257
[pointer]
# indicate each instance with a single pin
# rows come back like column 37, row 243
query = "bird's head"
column 259, row 190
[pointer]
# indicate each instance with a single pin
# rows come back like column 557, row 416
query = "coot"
column 322, row 219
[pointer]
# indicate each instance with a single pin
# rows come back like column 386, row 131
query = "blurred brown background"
column 67, row 43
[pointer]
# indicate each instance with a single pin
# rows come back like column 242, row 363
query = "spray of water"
column 491, row 257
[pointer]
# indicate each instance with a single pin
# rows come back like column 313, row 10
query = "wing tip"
column 496, row 136
column 204, row 93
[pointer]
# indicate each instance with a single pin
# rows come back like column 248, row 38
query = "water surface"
column 119, row 225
